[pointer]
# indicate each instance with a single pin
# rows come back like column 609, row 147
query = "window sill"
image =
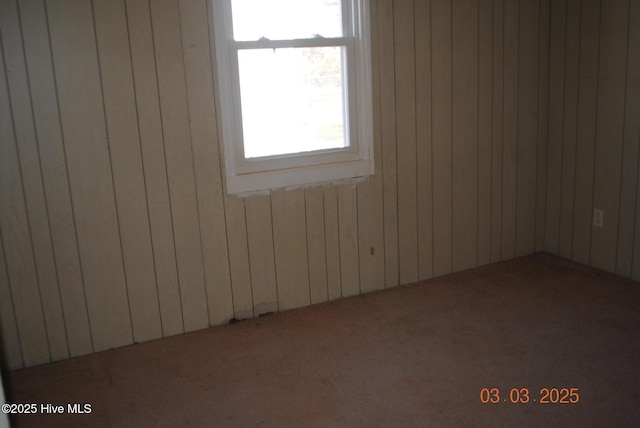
column 303, row 176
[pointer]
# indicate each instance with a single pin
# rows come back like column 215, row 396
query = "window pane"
column 286, row 19
column 292, row 100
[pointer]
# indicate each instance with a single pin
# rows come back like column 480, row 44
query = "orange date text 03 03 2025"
column 523, row 396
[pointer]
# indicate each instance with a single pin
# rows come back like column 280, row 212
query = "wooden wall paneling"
column 14, row 230
column 405, row 97
column 543, row 124
column 332, row 242
column 316, row 248
column 528, row 51
column 388, row 133
column 556, row 122
column 464, row 133
column 261, row 255
column 154, row 163
column 485, row 115
column 175, row 112
column 609, row 130
column 126, row 164
column 537, row 181
column 206, row 158
column 240, row 268
column 290, row 243
column 586, row 135
column 441, row 68
column 348, row 230
column 497, row 103
column 370, row 192
column 10, row 348
column 510, row 126
column 27, row 146
column 54, row 174
column 628, row 189
column 633, row 83
column 422, row 11
column 75, row 60
column 567, row 177
column 370, row 235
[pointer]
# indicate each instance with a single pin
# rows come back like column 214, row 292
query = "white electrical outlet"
column 598, row 217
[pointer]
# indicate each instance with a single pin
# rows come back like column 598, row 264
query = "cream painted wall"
column 594, row 132
column 114, row 222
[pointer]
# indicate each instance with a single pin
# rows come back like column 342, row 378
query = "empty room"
column 331, row 213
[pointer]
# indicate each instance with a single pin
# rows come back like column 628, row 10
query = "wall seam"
column 66, row 167
column 144, row 177
column 222, row 171
column 15, row 319
column 595, row 145
column 193, row 166
column 24, row 197
column 575, row 154
column 113, row 184
column 44, row 193
column 164, row 147
column 624, row 124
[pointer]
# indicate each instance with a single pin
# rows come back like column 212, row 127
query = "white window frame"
column 278, row 171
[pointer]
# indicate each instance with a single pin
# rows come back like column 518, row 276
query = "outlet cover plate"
column 598, row 217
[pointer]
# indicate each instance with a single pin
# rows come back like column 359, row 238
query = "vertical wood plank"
column 496, row 129
column 174, row 109
column 556, row 122
column 423, row 138
column 629, row 183
column 527, row 128
column 332, row 242
column 83, row 126
column 206, row 159
column 14, row 229
column 348, row 229
column 388, row 133
column 314, row 208
column 609, row 130
column 485, row 88
column 510, row 125
column 27, row 145
column 370, row 247
column 154, row 163
column 239, row 257
column 290, row 242
column 405, row 92
column 126, row 164
column 10, row 349
column 567, row 177
column 441, row 68
column 633, row 83
column 54, row 173
column 464, row 133
column 261, row 256
column 543, row 124
column 586, row 135
column 370, row 193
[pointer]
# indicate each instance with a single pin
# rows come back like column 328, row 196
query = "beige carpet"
column 410, row 356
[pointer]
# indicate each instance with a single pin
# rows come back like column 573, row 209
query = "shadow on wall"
column 4, row 419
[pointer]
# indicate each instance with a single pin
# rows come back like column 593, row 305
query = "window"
column 295, row 91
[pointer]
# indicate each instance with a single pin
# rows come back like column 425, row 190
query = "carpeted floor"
column 411, row 356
